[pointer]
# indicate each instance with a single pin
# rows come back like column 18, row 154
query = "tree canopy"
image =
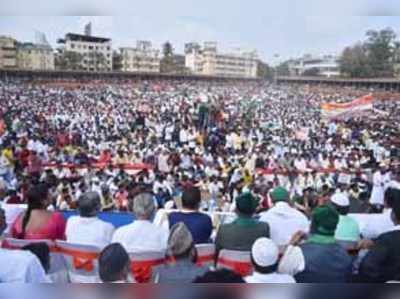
column 375, row 57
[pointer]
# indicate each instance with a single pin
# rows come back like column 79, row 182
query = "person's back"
column 19, row 266
column 182, row 251
column 199, row 224
column 244, row 231
column 87, row 228
column 37, row 222
column 142, row 234
column 325, row 263
column 241, row 234
column 284, row 222
column 42, row 225
column 89, row 231
column 183, row 271
column 348, row 229
column 382, row 263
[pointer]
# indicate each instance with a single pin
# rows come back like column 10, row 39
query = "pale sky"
column 289, row 28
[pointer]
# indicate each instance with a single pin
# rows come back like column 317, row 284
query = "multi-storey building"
column 207, row 60
column 95, row 52
column 8, row 52
column 35, row 57
column 327, row 66
column 143, row 58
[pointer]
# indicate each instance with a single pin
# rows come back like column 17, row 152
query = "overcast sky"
column 289, row 28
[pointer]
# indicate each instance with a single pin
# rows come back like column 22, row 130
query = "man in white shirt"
column 378, row 189
column 142, row 234
column 87, row 228
column 19, row 266
column 283, row 220
column 265, row 257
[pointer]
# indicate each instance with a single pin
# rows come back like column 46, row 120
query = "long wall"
column 85, row 75
column 389, row 84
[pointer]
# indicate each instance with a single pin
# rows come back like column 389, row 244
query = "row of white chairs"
column 78, row 263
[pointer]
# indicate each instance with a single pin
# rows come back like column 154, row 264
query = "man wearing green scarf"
column 320, row 259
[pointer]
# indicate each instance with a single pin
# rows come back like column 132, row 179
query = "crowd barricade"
column 58, row 270
column 143, row 264
column 81, row 261
column 236, row 261
column 126, row 166
column 270, row 171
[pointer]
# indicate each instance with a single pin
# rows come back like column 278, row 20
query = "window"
column 90, row 47
column 72, row 46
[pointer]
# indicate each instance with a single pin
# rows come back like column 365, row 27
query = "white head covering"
column 340, row 199
column 265, row 252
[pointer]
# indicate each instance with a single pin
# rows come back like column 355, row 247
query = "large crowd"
column 251, row 167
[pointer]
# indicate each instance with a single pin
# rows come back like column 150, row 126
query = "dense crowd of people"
column 177, row 153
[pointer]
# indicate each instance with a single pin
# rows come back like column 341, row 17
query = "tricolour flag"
column 347, row 110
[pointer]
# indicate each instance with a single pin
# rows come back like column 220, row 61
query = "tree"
column 168, row 50
column 312, row 72
column 354, row 62
column 283, row 69
column 68, row 60
column 264, row 71
column 99, row 60
column 117, row 61
column 380, row 47
column 375, row 57
column 167, row 62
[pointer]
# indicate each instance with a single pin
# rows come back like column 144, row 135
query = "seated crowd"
column 283, row 245
column 217, row 181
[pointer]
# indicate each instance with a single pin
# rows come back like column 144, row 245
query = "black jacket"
column 382, row 263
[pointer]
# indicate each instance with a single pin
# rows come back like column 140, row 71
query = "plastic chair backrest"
column 82, row 261
column 58, row 268
column 143, row 263
column 205, row 254
column 237, row 261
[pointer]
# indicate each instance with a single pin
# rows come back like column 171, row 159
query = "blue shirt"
column 199, row 224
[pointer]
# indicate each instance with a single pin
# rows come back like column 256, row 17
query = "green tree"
column 354, row 62
column 264, row 70
column 117, row 61
column 312, row 72
column 68, row 60
column 167, row 62
column 283, row 69
column 380, row 47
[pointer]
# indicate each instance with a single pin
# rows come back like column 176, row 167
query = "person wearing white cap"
column 347, row 231
column 265, row 260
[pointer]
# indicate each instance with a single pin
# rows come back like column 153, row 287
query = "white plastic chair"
column 81, row 260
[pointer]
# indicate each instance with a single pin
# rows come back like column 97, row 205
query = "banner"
column 347, row 110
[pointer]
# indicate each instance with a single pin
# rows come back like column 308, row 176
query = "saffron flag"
column 347, row 110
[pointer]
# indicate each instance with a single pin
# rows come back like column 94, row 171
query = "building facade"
column 35, row 57
column 8, row 53
column 207, row 60
column 95, row 53
column 143, row 58
column 326, row 66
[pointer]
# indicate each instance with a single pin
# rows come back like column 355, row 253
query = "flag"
column 347, row 110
